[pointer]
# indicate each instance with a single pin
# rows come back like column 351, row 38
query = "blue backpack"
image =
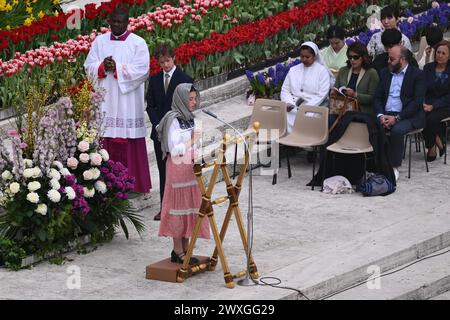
column 376, row 185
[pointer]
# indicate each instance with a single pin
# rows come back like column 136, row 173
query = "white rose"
column 95, row 173
column 83, row 146
column 33, row 197
column 87, row 175
column 70, row 193
column 7, row 175
column 104, row 154
column 84, row 157
column 54, row 195
column 28, row 163
column 28, row 173
column 65, row 172
column 41, row 209
column 72, row 163
column 96, row 159
column 14, row 187
column 54, row 174
column 88, row 193
column 58, row 164
column 100, row 186
column 36, row 172
column 33, row 186
column 55, row 184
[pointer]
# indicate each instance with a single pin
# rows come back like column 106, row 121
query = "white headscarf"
column 319, row 59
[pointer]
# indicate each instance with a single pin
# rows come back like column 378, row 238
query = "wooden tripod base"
column 165, row 270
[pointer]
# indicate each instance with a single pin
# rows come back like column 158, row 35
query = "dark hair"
column 440, row 44
column 389, row 12
column 193, row 89
column 360, row 50
column 311, row 50
column 121, row 11
column 434, row 35
column 164, row 50
column 335, row 32
column 391, row 37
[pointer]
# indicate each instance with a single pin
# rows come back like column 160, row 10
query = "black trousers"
column 161, row 168
column 434, row 125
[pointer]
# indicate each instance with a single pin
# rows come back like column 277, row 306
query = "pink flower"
column 13, row 133
column 23, row 145
column 87, row 175
column 96, row 159
column 83, row 146
column 435, row 4
column 410, row 19
column 72, row 163
column 84, row 157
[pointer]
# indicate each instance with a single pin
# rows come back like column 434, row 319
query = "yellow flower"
column 41, row 14
column 8, row 27
column 8, row 7
column 56, row 13
column 55, row 2
column 27, row 22
column 29, row 10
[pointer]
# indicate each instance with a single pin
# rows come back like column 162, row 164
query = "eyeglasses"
column 355, row 57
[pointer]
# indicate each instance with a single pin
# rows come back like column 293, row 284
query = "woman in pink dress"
column 182, row 197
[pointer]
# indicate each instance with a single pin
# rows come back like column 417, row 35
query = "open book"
column 341, row 90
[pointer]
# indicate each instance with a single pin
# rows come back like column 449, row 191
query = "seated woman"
column 306, row 83
column 358, row 78
column 335, row 54
column 182, row 197
column 389, row 19
column 437, row 98
column 433, row 37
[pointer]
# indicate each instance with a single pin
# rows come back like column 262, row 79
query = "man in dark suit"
column 159, row 102
column 390, row 38
column 398, row 101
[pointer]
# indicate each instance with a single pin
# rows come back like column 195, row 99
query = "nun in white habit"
column 307, row 83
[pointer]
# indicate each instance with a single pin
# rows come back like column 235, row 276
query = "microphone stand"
column 247, row 281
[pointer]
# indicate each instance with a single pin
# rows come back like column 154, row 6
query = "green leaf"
column 268, row 54
column 41, row 234
column 216, row 70
column 238, row 57
column 124, row 228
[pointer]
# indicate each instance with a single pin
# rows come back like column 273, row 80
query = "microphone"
column 209, row 113
column 247, row 281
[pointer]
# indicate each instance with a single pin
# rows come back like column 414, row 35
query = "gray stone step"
column 442, row 296
column 418, row 280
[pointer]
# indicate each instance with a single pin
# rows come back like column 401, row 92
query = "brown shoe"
column 157, row 217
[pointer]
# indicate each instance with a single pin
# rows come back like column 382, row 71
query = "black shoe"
column 157, row 217
column 431, row 158
column 179, row 258
column 441, row 152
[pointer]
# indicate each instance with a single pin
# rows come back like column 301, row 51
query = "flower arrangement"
column 57, row 183
column 268, row 83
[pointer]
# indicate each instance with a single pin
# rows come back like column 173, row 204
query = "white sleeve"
column 406, row 42
column 286, row 95
column 176, row 143
column 324, row 87
column 93, row 61
column 131, row 75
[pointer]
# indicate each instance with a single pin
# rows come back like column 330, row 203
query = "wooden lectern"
column 165, row 270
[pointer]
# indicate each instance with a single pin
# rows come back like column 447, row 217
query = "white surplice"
column 124, row 105
column 311, row 84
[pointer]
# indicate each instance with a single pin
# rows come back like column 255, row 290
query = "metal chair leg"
column 314, row 166
column 404, row 146
column 423, row 147
column 324, row 166
column 289, row 165
column 409, row 166
column 445, row 142
column 417, row 142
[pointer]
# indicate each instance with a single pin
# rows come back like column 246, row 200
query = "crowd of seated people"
column 384, row 77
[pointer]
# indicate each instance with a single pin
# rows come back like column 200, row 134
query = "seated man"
column 398, row 101
column 390, row 38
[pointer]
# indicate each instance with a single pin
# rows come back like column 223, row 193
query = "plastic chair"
column 422, row 46
column 446, row 122
column 418, row 137
column 310, row 130
column 272, row 117
column 355, row 140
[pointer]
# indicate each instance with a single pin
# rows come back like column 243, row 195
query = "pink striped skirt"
column 181, row 202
